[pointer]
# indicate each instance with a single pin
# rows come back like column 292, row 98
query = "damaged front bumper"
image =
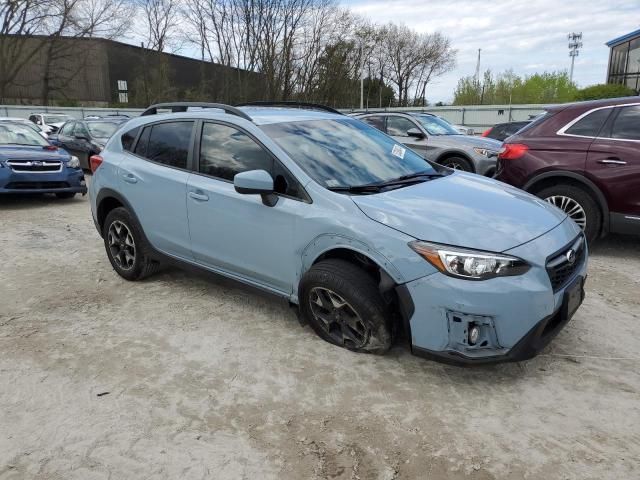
column 513, row 317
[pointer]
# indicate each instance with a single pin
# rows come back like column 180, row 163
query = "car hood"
column 10, row 152
column 467, row 141
column 464, row 210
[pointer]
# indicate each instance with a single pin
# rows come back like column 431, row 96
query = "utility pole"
column 575, row 44
column 478, row 67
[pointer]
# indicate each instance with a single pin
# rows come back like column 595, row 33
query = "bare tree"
column 159, row 17
column 19, row 19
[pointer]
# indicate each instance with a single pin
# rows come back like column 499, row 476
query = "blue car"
column 361, row 234
column 30, row 164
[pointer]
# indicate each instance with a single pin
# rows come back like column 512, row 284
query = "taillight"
column 487, row 132
column 95, row 161
column 512, row 151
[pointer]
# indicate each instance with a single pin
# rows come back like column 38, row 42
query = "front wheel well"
column 462, row 155
column 386, row 284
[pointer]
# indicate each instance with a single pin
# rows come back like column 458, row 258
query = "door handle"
column 612, row 161
column 129, row 178
column 201, row 197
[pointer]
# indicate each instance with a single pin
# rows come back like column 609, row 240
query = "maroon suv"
column 585, row 159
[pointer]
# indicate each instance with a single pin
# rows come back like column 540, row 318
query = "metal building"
column 624, row 60
column 98, row 72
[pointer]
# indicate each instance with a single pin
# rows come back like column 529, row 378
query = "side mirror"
column 416, row 133
column 81, row 137
column 256, row 182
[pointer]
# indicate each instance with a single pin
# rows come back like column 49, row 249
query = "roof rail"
column 183, row 106
column 293, row 104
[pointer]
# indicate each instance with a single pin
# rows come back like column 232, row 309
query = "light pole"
column 575, row 44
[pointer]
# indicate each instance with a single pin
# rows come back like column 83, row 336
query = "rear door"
column 237, row 233
column 614, row 161
column 64, row 137
column 153, row 178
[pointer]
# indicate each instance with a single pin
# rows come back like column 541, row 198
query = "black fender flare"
column 105, row 193
column 584, row 181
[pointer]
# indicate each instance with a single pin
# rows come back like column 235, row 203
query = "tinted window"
column 627, row 124
column 102, row 129
column 377, row 122
column 169, row 143
column 590, row 125
column 398, row 126
column 226, row 151
column 436, row 125
column 67, row 129
column 81, row 130
column 345, row 152
column 128, row 138
column 141, row 147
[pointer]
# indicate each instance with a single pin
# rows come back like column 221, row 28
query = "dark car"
column 30, row 164
column 585, row 159
column 84, row 138
column 501, row 131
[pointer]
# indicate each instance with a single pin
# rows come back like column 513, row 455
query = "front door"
column 237, row 233
column 398, row 127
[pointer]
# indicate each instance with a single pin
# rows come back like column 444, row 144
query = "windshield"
column 56, row 118
column 102, row 129
column 16, row 134
column 435, row 125
column 346, row 152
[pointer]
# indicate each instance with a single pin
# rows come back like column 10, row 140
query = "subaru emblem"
column 571, row 256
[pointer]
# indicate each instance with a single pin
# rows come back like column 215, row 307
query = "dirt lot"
column 191, row 376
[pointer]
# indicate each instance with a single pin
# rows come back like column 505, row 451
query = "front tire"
column 457, row 163
column 126, row 246
column 342, row 304
column 578, row 204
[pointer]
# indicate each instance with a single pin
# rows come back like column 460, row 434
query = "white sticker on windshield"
column 398, row 151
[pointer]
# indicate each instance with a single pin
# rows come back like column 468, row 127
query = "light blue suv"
column 363, row 235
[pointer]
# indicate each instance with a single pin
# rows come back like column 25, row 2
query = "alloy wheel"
column 337, row 318
column 121, row 245
column 571, row 208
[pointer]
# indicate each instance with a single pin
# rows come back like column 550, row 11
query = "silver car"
column 437, row 140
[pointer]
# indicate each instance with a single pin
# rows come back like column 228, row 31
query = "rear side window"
column 67, row 129
column 627, row 124
column 377, row 122
column 225, row 151
column 128, row 138
column 166, row 143
column 590, row 125
column 81, row 130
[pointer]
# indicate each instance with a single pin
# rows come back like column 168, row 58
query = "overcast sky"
column 527, row 36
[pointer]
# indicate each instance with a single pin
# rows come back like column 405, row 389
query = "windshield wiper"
column 371, row 188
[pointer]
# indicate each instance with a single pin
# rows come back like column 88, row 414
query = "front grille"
column 35, row 185
column 560, row 269
column 30, row 166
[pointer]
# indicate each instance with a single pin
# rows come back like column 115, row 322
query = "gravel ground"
column 190, row 376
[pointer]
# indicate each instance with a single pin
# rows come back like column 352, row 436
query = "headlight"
column 469, row 264
column 74, row 162
column 485, row 152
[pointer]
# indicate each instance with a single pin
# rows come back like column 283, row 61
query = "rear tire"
column 65, row 195
column 457, row 163
column 127, row 249
column 578, row 204
column 342, row 304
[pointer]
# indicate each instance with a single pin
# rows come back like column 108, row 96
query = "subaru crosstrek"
column 364, row 235
column 30, row 164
